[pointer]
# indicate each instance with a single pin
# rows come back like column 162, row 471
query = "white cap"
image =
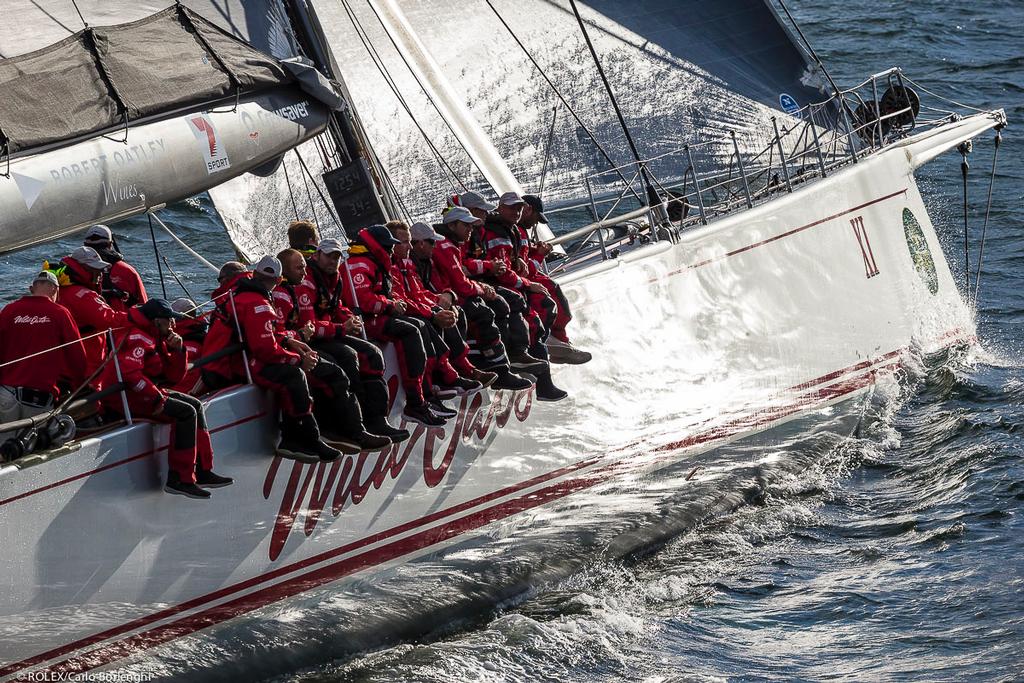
column 46, row 276
column 269, row 266
column 510, row 199
column 422, row 231
column 460, row 213
column 473, row 200
column 98, row 233
column 87, row 256
column 330, row 246
column 184, row 305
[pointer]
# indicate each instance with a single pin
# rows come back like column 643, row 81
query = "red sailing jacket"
column 320, row 300
column 505, row 243
column 89, row 311
column 370, row 265
column 222, row 332
column 448, row 272
column 193, row 333
column 262, row 326
column 407, row 287
column 33, row 324
column 124, row 277
column 145, row 360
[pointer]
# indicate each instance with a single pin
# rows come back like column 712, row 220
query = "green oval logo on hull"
column 920, row 254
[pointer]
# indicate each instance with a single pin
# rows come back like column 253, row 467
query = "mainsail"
column 683, row 71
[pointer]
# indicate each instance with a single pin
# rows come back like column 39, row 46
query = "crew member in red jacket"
column 338, row 331
column 486, row 312
column 445, row 325
column 192, row 329
column 384, row 316
column 334, row 400
column 520, row 327
column 122, row 286
column 148, row 350
column 79, row 276
column 506, row 243
column 531, row 258
column 36, row 324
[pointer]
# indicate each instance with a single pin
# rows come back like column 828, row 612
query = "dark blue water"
column 898, row 557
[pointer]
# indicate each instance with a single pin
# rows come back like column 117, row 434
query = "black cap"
column 159, row 308
column 382, row 236
column 537, row 204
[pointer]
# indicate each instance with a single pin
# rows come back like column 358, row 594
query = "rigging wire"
column 291, row 194
column 378, row 62
column 423, row 88
column 74, row 4
column 810, row 50
column 156, row 252
column 547, row 152
column 558, row 93
column 651, row 194
column 988, row 209
column 309, row 195
column 176, row 278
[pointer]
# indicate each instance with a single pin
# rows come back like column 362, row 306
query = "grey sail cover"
column 106, row 77
column 29, row 25
column 683, row 70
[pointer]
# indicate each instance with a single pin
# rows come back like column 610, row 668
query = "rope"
column 291, row 194
column 379, row 63
column 184, row 246
column 176, row 278
column 988, row 208
column 156, row 253
column 651, row 194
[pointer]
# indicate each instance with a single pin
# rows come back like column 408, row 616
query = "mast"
column 452, row 108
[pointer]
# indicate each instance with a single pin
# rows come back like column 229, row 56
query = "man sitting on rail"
column 79, row 276
column 480, row 302
column 340, row 401
column 521, row 327
column 303, row 237
column 282, row 363
column 529, row 264
column 503, row 243
column 452, row 373
column 384, row 315
column 122, row 286
column 192, row 328
column 148, row 349
column 40, row 350
column 338, row 331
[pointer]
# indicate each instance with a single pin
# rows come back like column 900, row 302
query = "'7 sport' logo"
column 211, row 145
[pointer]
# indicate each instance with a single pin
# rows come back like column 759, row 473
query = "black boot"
column 439, row 408
column 180, row 488
column 384, row 428
column 300, row 440
column 509, row 380
column 546, row 389
column 351, row 436
column 208, row 479
column 417, row 410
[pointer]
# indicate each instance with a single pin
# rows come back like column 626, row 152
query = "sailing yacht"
column 802, row 272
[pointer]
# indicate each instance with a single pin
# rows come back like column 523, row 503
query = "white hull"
column 762, row 318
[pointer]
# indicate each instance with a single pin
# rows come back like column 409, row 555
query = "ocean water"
column 898, row 556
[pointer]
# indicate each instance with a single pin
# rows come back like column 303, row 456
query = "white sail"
column 677, row 76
